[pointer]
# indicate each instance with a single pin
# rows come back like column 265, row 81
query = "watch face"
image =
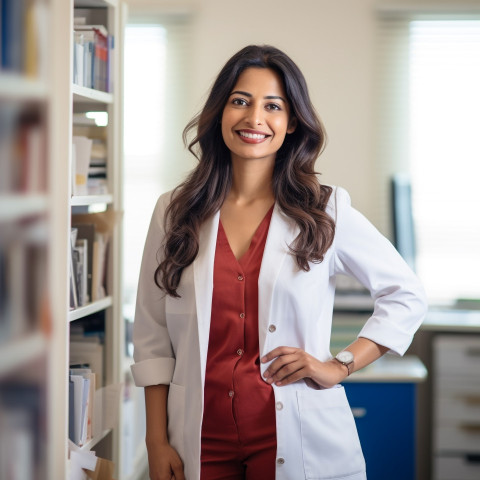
column 345, row 357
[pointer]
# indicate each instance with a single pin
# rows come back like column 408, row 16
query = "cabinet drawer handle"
column 470, row 428
column 471, row 400
column 359, row 412
column 472, row 458
column 473, row 352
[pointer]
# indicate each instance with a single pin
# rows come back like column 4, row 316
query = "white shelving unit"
column 17, row 206
column 21, row 352
column 85, row 200
column 35, row 229
column 108, row 309
column 17, row 86
column 26, row 225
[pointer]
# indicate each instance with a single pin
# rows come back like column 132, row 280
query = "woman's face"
column 256, row 117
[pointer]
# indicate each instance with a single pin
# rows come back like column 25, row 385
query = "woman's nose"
column 255, row 116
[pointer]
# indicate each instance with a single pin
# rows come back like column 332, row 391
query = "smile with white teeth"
column 256, row 136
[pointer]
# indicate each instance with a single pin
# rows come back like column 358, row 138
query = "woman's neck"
column 251, row 181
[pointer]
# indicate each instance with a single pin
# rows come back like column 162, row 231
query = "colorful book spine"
column 98, row 57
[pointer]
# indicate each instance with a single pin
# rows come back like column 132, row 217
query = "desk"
column 383, row 401
column 450, row 438
column 457, row 321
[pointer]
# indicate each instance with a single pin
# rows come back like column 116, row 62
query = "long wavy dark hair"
column 295, row 185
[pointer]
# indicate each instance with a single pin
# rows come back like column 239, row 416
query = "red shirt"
column 238, row 402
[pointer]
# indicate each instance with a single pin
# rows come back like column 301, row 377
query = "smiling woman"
column 235, row 298
column 257, row 114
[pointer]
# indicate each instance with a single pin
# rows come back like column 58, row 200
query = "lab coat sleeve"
column 153, row 354
column 364, row 253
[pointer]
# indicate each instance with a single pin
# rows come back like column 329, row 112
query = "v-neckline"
column 243, row 259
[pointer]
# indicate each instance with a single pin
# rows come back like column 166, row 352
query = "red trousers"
column 231, row 459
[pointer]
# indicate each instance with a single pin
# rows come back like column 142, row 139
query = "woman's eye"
column 273, row 106
column 239, row 101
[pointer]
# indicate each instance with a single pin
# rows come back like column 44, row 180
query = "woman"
column 235, row 297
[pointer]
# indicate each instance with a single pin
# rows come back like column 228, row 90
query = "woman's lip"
column 252, row 136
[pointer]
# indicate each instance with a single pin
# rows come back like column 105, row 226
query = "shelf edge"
column 94, row 307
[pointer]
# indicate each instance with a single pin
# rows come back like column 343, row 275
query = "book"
column 86, row 232
column 104, row 224
column 96, row 55
column 100, row 252
column 78, row 386
column 88, row 420
column 71, row 411
column 35, row 162
column 83, row 149
column 78, row 58
column 110, row 64
column 35, row 39
column 12, row 35
column 81, row 255
column 20, row 429
column 88, row 352
column 8, row 122
column 74, row 303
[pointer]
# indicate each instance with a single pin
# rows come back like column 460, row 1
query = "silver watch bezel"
column 345, row 357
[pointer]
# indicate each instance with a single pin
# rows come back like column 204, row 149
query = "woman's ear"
column 292, row 124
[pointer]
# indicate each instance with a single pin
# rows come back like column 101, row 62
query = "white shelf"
column 93, row 307
column 17, row 206
column 92, row 442
column 452, row 320
column 16, row 353
column 84, row 200
column 95, row 3
column 19, row 87
column 391, row 369
column 89, row 95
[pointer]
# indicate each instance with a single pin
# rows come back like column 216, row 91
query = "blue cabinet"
column 385, row 414
column 383, row 398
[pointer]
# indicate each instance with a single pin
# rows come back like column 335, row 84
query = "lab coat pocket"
column 176, row 417
column 330, row 444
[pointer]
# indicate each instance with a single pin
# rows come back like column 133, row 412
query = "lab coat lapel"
column 281, row 233
column 203, row 279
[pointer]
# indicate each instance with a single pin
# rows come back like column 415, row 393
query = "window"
column 444, row 122
column 156, row 101
column 428, row 124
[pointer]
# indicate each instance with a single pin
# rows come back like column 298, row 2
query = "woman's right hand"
column 164, row 462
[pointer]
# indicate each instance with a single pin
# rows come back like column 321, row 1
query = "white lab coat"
column 316, row 434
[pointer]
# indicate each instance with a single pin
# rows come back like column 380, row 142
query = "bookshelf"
column 101, row 316
column 38, row 106
column 25, row 228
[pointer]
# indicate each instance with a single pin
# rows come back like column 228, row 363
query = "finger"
column 178, row 471
column 285, row 370
column 278, row 364
column 278, row 352
column 294, row 377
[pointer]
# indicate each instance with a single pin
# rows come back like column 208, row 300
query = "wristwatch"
column 345, row 358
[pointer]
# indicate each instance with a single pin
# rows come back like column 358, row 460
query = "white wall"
column 332, row 41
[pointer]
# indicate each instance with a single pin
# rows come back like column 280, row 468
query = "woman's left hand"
column 292, row 364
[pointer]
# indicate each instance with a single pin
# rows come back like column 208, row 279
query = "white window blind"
column 430, row 118
column 156, row 102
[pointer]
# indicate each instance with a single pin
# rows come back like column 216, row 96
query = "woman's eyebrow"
column 268, row 97
column 239, row 92
column 275, row 97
